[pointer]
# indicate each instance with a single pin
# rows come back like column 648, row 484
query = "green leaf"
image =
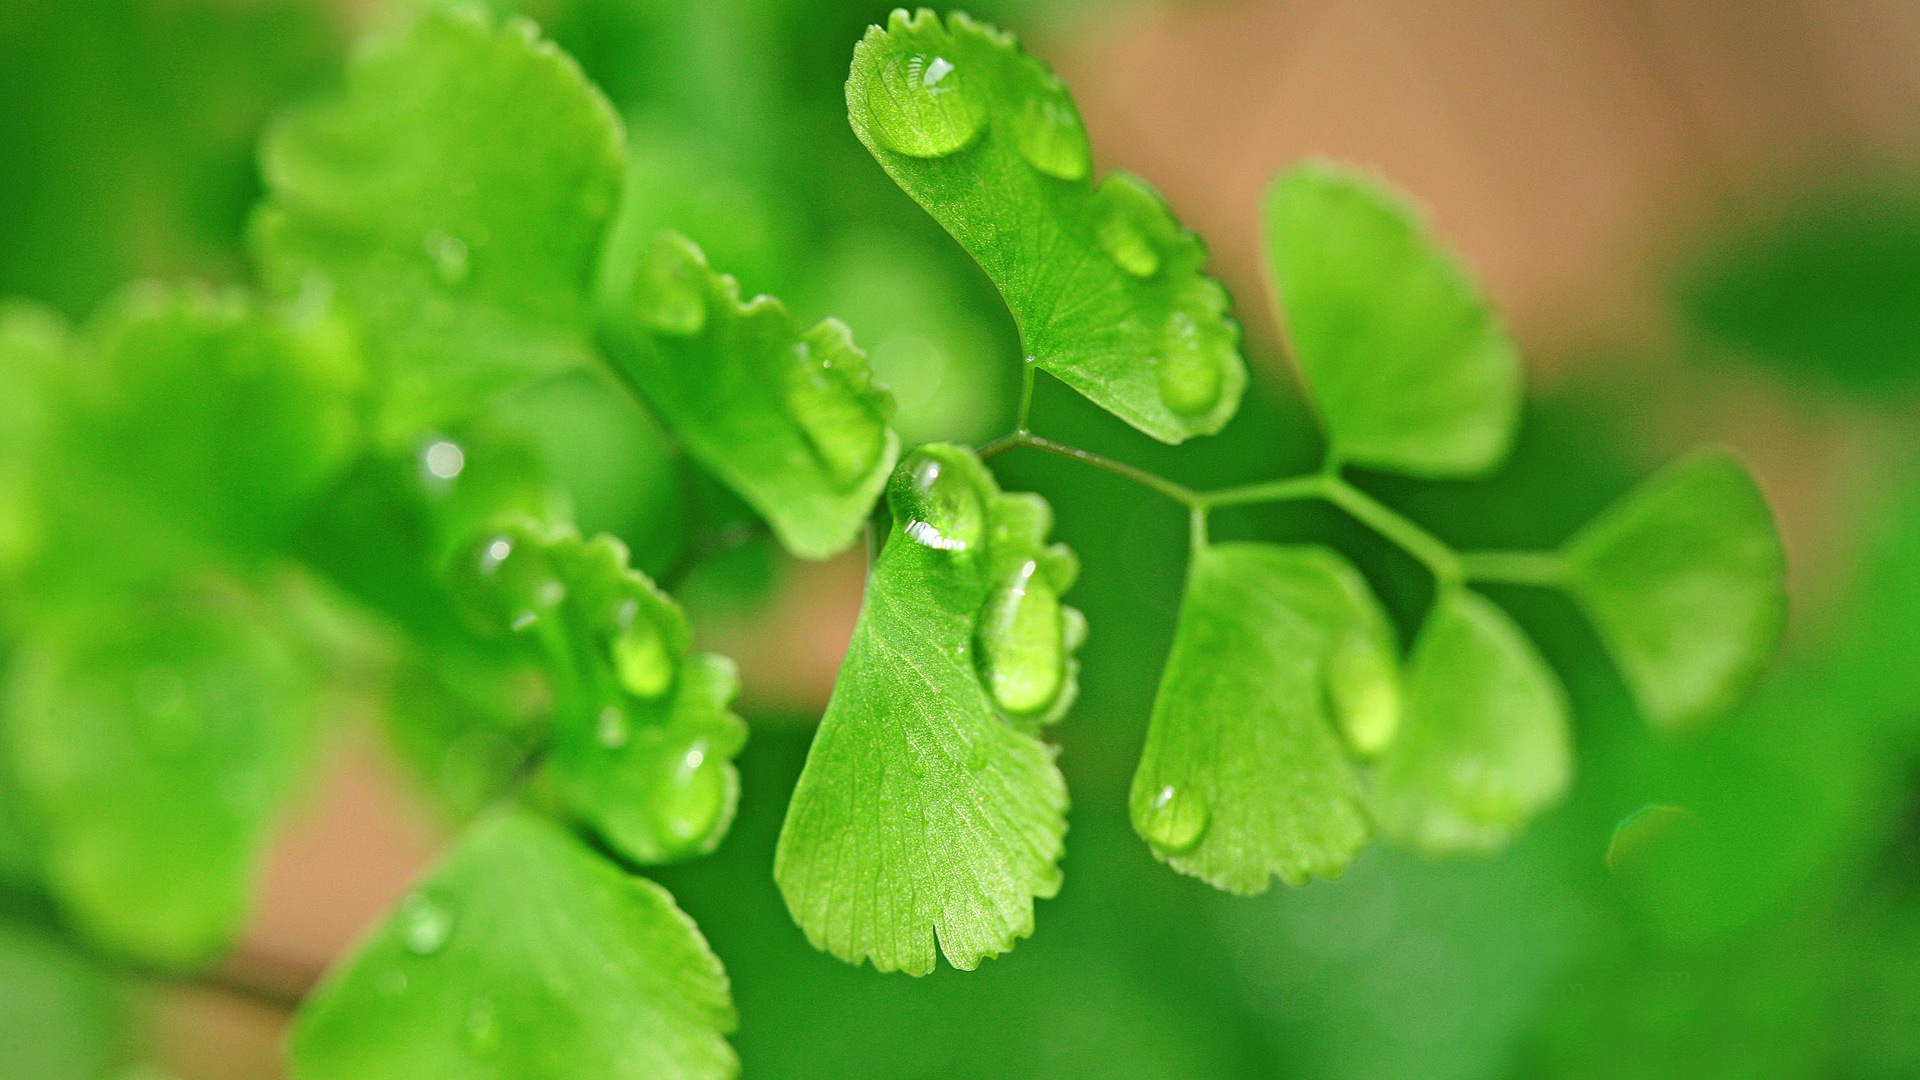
column 34, row 344
column 1410, row 369
column 1244, row 775
column 643, row 740
column 156, row 737
column 58, row 1018
column 198, row 413
column 1485, row 745
column 788, row 418
column 1104, row 283
column 928, row 808
column 455, row 195
column 1686, row 581
column 523, row 956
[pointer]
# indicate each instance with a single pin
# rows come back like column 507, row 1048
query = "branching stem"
column 1449, row 568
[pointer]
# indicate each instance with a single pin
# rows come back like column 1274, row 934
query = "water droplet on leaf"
column 640, row 657
column 670, row 292
column 834, row 413
column 443, row 460
column 482, row 1027
column 1022, row 642
column 938, row 505
column 922, row 106
column 1190, row 369
column 611, row 728
column 692, row 798
column 425, row 925
column 1642, row 829
column 1049, row 134
column 391, row 981
column 1363, row 693
column 451, row 259
column 1130, row 222
column 1173, row 819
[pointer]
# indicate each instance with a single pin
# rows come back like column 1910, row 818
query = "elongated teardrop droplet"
column 937, row 505
column 833, row 411
column 670, row 292
column 640, row 657
column 1191, row 370
column 1172, row 819
column 691, row 799
column 1050, row 136
column 1130, row 225
column 923, row 106
column 1022, row 646
column 1363, row 691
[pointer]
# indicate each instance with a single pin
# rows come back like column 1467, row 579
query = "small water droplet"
column 671, row 291
column 692, row 798
column 494, row 553
column 1363, row 693
column 482, row 1027
column 507, row 582
column 1191, row 372
column 391, row 981
column 451, row 259
column 425, row 925
column 835, row 414
column 1130, row 224
column 938, row 504
column 1172, row 819
column 1048, row 133
column 1022, row 642
column 922, row 106
column 640, row 657
column 443, row 460
column 611, row 728
column 1642, row 829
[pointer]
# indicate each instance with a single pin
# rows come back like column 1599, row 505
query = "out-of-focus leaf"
column 788, row 418
column 33, row 353
column 928, row 808
column 1484, row 746
column 523, row 956
column 1105, row 284
column 643, row 741
column 1244, row 776
column 1826, row 292
column 58, row 1019
column 1686, row 582
column 1409, row 368
column 455, row 196
column 157, row 737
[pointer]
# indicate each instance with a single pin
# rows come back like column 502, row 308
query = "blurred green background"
column 1705, row 224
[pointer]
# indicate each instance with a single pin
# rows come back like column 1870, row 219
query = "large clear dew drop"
column 691, row 798
column 1172, row 818
column 1022, row 642
column 938, row 507
column 923, row 105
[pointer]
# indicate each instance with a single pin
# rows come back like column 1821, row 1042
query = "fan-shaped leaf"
column 1485, row 745
column 1409, row 368
column 927, row 807
column 1685, row 580
column 1244, row 776
column 1105, row 284
column 523, row 956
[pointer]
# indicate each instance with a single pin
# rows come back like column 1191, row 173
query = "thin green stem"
column 1292, row 489
column 1545, row 569
column 1197, row 529
column 1439, row 559
column 1027, row 370
column 1179, row 493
